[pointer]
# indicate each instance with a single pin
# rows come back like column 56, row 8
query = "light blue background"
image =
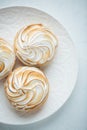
column 73, row 15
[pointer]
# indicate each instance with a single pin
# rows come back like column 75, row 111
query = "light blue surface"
column 73, row 15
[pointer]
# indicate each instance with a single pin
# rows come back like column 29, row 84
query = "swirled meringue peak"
column 35, row 44
column 27, row 88
column 7, row 58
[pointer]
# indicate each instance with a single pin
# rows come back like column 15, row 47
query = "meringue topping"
column 26, row 88
column 35, row 44
column 7, row 58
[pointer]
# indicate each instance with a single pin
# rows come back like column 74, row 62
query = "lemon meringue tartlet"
column 35, row 45
column 27, row 88
column 7, row 58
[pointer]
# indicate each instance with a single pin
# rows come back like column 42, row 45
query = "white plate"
column 61, row 72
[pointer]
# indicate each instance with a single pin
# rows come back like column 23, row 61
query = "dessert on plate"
column 27, row 88
column 35, row 45
column 7, row 58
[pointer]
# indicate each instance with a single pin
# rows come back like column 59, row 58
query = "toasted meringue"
column 27, row 88
column 7, row 58
column 35, row 44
